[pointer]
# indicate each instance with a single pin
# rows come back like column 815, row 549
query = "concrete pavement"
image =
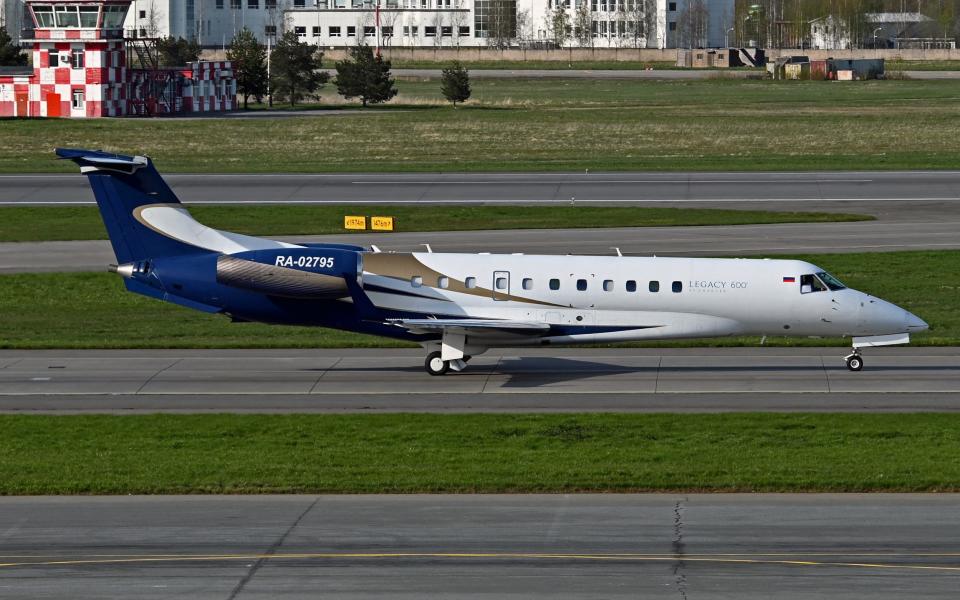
column 741, row 240
column 518, row 380
column 672, row 546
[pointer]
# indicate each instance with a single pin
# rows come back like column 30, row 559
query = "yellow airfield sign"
column 354, row 222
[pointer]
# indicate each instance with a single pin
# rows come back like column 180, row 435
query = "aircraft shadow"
column 532, row 371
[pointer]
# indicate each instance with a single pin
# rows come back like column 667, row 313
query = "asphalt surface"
column 915, row 210
column 872, row 236
column 519, row 380
column 558, row 546
column 926, row 192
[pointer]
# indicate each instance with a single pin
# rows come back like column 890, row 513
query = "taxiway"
column 556, row 546
column 521, row 380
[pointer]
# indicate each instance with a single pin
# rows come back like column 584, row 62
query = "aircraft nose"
column 915, row 323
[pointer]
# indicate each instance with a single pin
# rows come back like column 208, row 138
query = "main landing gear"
column 854, row 360
column 435, row 365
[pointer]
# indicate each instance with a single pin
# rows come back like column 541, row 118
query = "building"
column 82, row 67
column 436, row 23
column 882, row 30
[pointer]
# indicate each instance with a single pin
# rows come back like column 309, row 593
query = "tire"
column 435, row 365
column 854, row 363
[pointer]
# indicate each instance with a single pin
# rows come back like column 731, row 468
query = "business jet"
column 459, row 305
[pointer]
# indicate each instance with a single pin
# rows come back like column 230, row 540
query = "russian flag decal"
column 789, row 279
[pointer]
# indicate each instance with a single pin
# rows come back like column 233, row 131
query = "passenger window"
column 677, row 287
column 581, row 285
column 608, row 285
column 470, row 282
column 631, row 285
column 554, row 284
column 527, row 283
column 416, row 281
column 654, row 286
column 501, row 283
column 810, row 284
column 443, row 282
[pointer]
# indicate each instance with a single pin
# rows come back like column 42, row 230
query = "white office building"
column 434, row 23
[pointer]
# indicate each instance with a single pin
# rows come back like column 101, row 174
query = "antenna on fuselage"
column 427, row 246
column 375, row 249
column 618, row 250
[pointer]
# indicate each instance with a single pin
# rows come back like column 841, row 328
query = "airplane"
column 459, row 305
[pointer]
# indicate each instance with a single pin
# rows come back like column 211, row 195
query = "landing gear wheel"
column 855, row 362
column 436, row 365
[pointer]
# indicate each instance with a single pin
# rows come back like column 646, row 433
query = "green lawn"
column 92, row 310
column 48, row 223
column 548, row 125
column 156, row 454
column 924, row 65
column 541, row 65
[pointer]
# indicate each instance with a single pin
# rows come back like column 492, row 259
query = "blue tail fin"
column 122, row 185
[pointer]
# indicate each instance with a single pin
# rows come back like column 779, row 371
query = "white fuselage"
column 612, row 298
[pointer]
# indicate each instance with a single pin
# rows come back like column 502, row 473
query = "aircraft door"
column 501, row 285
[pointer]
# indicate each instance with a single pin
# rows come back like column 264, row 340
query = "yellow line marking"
column 719, row 558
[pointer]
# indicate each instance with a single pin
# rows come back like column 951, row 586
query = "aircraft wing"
column 474, row 327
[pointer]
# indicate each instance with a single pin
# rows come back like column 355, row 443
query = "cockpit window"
column 810, row 284
column 832, row 282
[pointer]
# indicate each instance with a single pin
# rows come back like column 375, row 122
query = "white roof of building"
column 897, row 17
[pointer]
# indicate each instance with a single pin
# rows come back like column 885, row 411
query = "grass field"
column 92, row 310
column 46, row 223
column 615, row 65
column 549, row 125
column 155, row 454
column 542, row 65
column 925, row 65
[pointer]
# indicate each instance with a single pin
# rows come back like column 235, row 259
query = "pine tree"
column 365, row 76
column 10, row 54
column 455, row 83
column 294, row 69
column 249, row 65
column 177, row 52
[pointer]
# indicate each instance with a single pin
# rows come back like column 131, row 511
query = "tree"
column 249, row 65
column 455, row 83
column 365, row 76
column 154, row 16
column 176, row 52
column 294, row 69
column 692, row 25
column 583, row 24
column 10, row 53
column 502, row 25
column 559, row 26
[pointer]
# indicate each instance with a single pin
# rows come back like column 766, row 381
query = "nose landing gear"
column 854, row 360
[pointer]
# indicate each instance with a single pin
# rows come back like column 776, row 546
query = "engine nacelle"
column 309, row 273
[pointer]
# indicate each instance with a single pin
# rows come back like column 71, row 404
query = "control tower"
column 80, row 69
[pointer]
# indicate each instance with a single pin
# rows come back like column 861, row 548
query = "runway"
column 918, row 190
column 529, row 380
column 742, row 240
column 668, row 546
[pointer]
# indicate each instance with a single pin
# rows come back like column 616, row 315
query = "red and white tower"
column 80, row 70
column 79, row 58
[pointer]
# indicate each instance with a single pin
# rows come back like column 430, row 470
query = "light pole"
column 875, row 37
column 743, row 32
column 726, row 37
column 269, row 52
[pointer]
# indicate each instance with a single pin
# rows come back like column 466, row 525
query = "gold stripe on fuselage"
column 403, row 267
